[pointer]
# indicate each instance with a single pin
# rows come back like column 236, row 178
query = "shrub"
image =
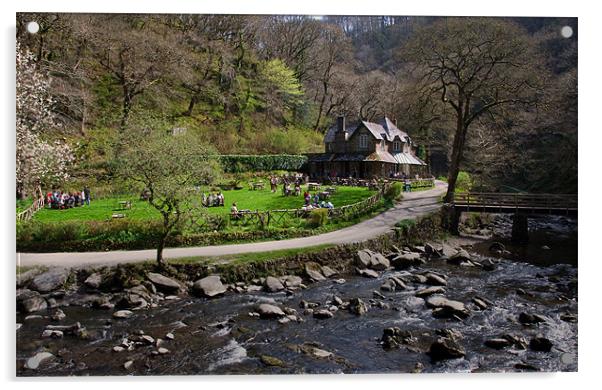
column 463, row 182
column 318, row 217
column 393, row 191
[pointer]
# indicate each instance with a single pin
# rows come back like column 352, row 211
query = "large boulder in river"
column 50, row 280
column 365, row 258
column 164, row 284
column 429, row 291
column 291, row 281
column 266, row 310
column 314, row 271
column 93, row 281
column 540, row 343
column 368, row 273
column 443, row 349
column 446, row 308
column 406, row 260
column 273, row 284
column 34, row 362
column 30, row 301
column 357, row 306
column 209, row 286
column 24, row 278
column 461, row 256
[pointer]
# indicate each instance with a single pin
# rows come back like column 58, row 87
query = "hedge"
column 232, row 163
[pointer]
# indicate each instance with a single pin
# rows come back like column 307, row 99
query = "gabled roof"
column 385, row 129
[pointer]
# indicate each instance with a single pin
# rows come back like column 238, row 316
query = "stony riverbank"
column 421, row 306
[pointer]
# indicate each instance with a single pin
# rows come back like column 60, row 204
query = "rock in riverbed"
column 540, row 343
column 34, row 362
column 446, row 308
column 530, row 319
column 30, row 301
column 93, row 281
column 164, row 284
column 273, row 284
column 443, row 349
column 209, row 286
column 357, row 306
column 314, row 271
column 368, row 273
column 323, row 314
column 266, row 310
column 430, row 291
column 50, row 280
column 123, row 314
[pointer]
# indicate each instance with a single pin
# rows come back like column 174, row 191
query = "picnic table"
column 324, row 195
column 313, row 186
column 331, row 190
column 125, row 205
column 258, row 185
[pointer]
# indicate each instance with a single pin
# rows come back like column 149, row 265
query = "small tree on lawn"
column 168, row 167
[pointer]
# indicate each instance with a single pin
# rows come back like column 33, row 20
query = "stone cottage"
column 366, row 150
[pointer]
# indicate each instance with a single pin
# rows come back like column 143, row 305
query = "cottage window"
column 397, row 146
column 382, row 145
column 363, row 141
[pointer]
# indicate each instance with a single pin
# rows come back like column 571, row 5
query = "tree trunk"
column 127, row 106
column 160, row 248
column 456, row 158
column 188, row 112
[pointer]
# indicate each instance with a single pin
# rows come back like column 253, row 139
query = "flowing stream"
column 218, row 336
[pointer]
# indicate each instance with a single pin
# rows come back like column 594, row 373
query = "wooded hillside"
column 274, row 84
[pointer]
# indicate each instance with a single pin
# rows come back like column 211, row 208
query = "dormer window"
column 397, row 146
column 382, row 145
column 363, row 141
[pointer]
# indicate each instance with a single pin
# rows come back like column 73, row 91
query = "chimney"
column 395, row 121
column 341, row 124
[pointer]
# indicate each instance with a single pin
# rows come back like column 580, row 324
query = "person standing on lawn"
column 87, row 195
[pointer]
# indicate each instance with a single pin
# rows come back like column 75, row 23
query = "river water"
column 217, row 336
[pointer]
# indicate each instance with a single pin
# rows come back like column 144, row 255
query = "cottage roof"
column 407, row 158
column 385, row 129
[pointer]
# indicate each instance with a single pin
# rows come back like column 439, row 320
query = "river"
column 218, row 336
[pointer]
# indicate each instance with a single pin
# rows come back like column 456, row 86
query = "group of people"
column 213, row 199
column 314, row 202
column 66, row 200
column 291, row 184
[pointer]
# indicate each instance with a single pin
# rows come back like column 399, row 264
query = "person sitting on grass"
column 220, row 199
column 316, row 198
column 234, row 211
column 210, row 200
column 307, row 197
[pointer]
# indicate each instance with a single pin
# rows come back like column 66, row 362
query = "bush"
column 318, row 217
column 393, row 192
column 463, row 182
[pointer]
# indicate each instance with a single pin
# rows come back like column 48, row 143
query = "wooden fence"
column 516, row 201
column 37, row 204
column 288, row 217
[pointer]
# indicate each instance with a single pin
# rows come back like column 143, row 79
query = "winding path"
column 414, row 204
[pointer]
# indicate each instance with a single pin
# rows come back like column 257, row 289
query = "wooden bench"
column 313, row 186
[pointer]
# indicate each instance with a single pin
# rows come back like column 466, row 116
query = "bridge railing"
column 516, row 200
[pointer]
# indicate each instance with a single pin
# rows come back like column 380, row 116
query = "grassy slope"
column 102, row 209
column 250, row 257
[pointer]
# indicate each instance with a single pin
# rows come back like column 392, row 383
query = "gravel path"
column 414, row 204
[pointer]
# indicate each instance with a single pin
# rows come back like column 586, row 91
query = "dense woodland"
column 498, row 96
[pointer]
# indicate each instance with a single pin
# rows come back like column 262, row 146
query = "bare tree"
column 475, row 67
column 135, row 51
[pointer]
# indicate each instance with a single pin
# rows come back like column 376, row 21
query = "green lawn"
column 102, row 209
